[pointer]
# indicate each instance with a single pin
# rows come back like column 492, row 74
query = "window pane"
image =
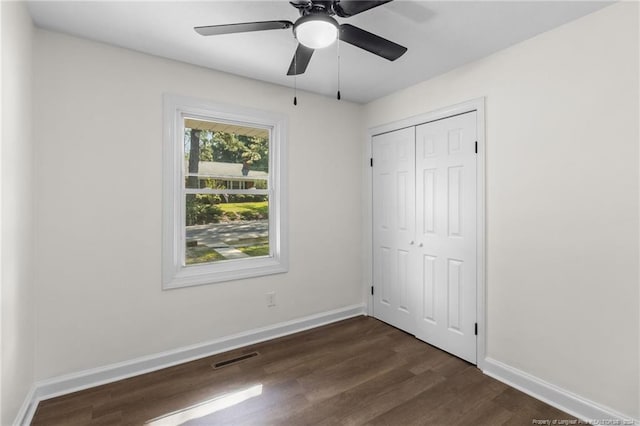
column 226, row 227
column 225, row 156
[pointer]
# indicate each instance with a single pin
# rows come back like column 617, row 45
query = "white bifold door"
column 424, row 232
column 394, row 228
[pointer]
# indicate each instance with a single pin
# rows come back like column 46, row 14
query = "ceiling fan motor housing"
column 315, row 6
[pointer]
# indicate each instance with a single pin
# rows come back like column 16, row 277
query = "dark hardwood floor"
column 358, row 371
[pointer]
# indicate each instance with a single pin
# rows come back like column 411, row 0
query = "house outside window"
column 224, row 193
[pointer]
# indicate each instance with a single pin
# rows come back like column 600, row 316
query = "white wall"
column 98, row 127
column 17, row 252
column 562, row 200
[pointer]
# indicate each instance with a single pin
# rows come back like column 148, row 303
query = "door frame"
column 477, row 105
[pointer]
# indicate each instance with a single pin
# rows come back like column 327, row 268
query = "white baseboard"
column 562, row 399
column 28, row 408
column 110, row 373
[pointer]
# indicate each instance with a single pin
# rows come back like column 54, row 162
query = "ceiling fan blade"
column 346, row 8
column 244, row 27
column 300, row 60
column 371, row 42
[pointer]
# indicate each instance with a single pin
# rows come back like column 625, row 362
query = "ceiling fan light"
column 316, row 32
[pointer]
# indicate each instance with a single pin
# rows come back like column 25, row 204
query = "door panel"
column 394, row 227
column 429, row 287
column 446, row 234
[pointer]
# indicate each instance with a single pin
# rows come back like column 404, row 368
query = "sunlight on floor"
column 207, row 407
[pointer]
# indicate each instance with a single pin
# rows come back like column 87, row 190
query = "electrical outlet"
column 271, row 299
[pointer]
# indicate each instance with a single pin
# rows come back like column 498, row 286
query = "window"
column 224, row 189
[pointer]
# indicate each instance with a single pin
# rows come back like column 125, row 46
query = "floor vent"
column 234, row 360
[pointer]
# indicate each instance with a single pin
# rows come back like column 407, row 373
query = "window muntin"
column 227, row 219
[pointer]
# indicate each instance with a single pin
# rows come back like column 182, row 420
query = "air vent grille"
column 234, row 360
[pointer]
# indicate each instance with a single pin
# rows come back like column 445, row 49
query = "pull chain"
column 338, row 49
column 295, row 78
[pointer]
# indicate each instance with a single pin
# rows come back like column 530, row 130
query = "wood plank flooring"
column 354, row 372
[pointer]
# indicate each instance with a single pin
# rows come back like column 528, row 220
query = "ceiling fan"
column 317, row 28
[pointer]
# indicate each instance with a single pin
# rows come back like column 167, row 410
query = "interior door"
column 394, row 227
column 446, row 234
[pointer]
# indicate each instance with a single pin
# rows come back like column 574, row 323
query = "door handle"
column 420, row 245
column 410, row 243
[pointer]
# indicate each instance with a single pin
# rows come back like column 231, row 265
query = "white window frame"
column 174, row 273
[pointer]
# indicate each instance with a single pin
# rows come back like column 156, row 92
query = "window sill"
column 228, row 271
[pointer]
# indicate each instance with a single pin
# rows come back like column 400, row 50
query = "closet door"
column 394, row 228
column 446, row 234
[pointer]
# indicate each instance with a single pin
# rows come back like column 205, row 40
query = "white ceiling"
column 440, row 36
